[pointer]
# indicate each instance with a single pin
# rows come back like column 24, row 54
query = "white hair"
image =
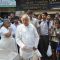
column 25, row 16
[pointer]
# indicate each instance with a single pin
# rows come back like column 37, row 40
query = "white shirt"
column 44, row 28
column 50, row 24
column 14, row 28
column 27, row 36
column 34, row 21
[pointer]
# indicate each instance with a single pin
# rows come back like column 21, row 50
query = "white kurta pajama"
column 27, row 37
column 7, row 43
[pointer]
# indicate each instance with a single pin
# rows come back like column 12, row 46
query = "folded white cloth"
column 37, row 55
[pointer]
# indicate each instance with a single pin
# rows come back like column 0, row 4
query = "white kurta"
column 7, row 43
column 34, row 21
column 13, row 28
column 27, row 37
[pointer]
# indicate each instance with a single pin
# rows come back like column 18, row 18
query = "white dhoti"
column 30, row 55
column 27, row 58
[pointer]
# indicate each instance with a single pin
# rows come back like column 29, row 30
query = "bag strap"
column 48, row 31
column 48, row 24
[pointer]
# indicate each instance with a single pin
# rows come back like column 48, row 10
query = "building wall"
column 7, row 9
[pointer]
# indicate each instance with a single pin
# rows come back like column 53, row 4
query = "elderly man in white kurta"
column 27, row 38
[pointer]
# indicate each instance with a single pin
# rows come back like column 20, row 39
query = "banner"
column 7, row 3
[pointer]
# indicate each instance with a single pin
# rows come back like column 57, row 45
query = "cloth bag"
column 37, row 55
column 49, row 51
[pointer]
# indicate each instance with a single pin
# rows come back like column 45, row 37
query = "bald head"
column 25, row 19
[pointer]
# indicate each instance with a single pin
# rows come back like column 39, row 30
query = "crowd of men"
column 29, row 33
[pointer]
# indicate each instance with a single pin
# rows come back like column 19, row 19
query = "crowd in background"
column 47, row 27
